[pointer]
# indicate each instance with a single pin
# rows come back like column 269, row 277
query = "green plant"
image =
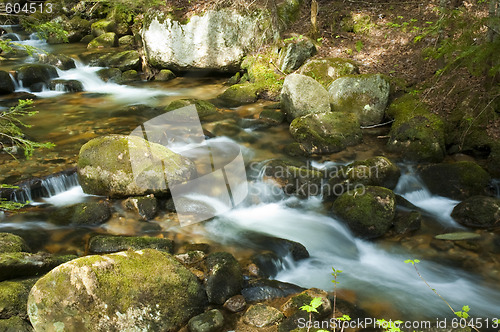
column 6, row 205
column 310, row 308
column 359, row 46
column 389, row 326
column 45, row 30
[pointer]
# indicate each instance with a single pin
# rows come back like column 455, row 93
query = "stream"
column 374, row 272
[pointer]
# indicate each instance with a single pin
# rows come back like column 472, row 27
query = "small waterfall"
column 17, row 86
column 22, row 195
column 55, row 185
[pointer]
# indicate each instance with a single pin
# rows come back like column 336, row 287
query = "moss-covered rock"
column 12, row 243
column 302, row 95
column 293, row 178
column 88, row 213
column 325, row 133
column 66, row 85
column 145, row 206
column 357, row 23
column 365, row 95
column 294, row 54
column 261, row 315
column 294, row 304
column 105, row 244
column 13, row 297
column 15, row 324
column 377, row 171
column 23, row 264
column 77, row 28
column 130, row 75
column 478, row 212
column 407, row 221
column 110, row 75
column 60, row 61
column 327, row 70
column 102, row 26
column 272, row 116
column 165, row 75
column 127, row 42
column 239, row 94
column 458, row 180
column 416, row 134
column 204, row 108
column 32, row 73
column 124, row 61
column 369, row 211
column 262, row 74
column 6, row 83
column 106, row 40
column 289, row 11
column 224, row 277
column 210, row 321
column 118, row 165
column 141, row 290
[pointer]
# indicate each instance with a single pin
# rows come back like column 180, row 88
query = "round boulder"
column 118, row 165
column 12, row 243
column 327, row 70
column 302, row 95
column 224, row 277
column 32, row 73
column 478, row 212
column 142, row 290
column 106, row 40
column 369, row 211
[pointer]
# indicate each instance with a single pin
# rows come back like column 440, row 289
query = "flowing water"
column 374, row 271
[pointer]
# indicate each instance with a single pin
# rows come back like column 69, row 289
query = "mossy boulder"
column 458, row 180
column 365, row 95
column 293, row 305
column 165, row 75
column 327, row 70
column 239, row 94
column 224, row 278
column 416, row 134
column 6, row 84
column 131, row 290
column 261, row 315
column 130, row 75
column 377, row 171
column 12, row 243
column 204, row 108
column 293, row 178
column 15, row 324
column 357, row 23
column 105, row 244
column 13, row 297
column 77, row 28
column 102, row 26
column 124, row 61
column 478, row 212
column 66, row 85
column 118, row 165
column 368, row 211
column 106, row 40
column 127, row 42
column 33, row 73
column 294, row 54
column 60, row 61
column 263, row 75
column 22, row 264
column 110, row 75
column 325, row 133
column 145, row 206
column 302, row 95
column 272, row 116
column 210, row 321
column 88, row 213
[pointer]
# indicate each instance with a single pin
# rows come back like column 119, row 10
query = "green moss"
column 326, row 70
column 239, row 94
column 361, row 23
column 263, row 74
column 288, row 11
column 12, row 243
column 108, row 244
column 13, row 297
column 105, row 40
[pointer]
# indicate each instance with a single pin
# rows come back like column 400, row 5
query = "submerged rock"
column 204, row 108
column 239, row 94
column 224, row 277
column 218, row 40
column 210, row 321
column 142, row 290
column 369, row 211
column 326, row 133
column 118, row 166
column 105, row 244
column 302, row 95
column 457, row 180
column 478, row 212
column 365, row 95
column 327, row 70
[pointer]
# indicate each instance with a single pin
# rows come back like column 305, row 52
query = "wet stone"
column 101, row 244
column 236, row 303
column 210, row 321
column 260, row 315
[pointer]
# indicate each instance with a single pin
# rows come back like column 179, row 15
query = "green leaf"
column 316, row 302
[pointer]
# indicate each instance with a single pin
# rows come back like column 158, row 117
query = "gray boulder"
column 327, row 70
column 210, row 321
column 365, row 95
column 106, row 40
column 124, row 61
column 478, row 212
column 302, row 95
column 224, row 278
column 293, row 55
column 66, row 85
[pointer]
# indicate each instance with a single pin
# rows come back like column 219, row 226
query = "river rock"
column 458, row 236
column 110, row 75
column 293, row 178
column 145, row 206
column 165, row 75
column 13, row 297
column 218, row 40
column 224, row 277
column 60, row 61
column 105, row 167
column 77, row 28
column 302, row 95
column 23, row 264
column 294, row 304
column 325, row 133
column 377, row 171
column 124, row 61
column 272, row 116
column 130, row 75
column 191, row 257
column 457, row 180
column 32, row 73
column 294, row 54
column 261, row 315
column 88, row 213
column 210, row 321
column 478, row 212
column 365, row 95
column 327, row 70
column 102, row 26
column 133, row 290
column 264, row 289
column 236, row 303
column 239, row 94
column 204, row 108
column 15, row 324
column 416, row 134
column 106, row 40
column 407, row 221
column 369, row 211
column 12, row 243
column 66, row 85
column 105, row 244
column 6, row 84
column 264, row 265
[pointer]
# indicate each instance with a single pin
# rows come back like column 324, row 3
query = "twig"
column 271, row 62
column 377, row 125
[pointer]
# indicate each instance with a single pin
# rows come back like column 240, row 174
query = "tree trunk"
column 314, row 16
column 494, row 21
column 275, row 20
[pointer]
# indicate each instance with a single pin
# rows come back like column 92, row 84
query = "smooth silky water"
column 374, row 271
